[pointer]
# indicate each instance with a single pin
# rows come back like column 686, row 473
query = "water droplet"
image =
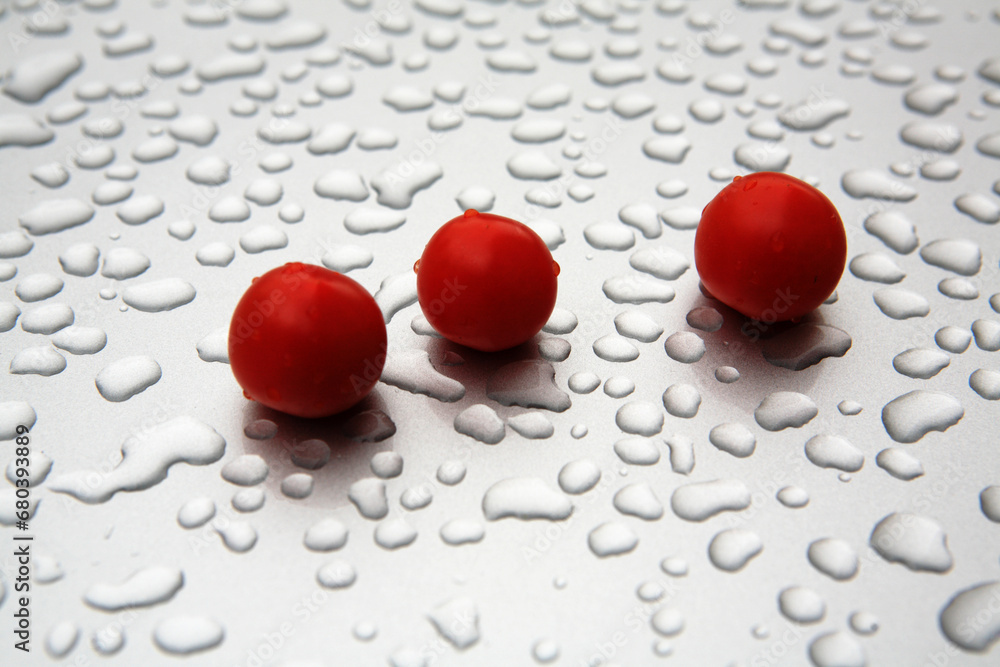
column 830, row 451
column 80, row 340
column 667, row 621
column 532, row 425
column 45, row 319
column 310, row 454
column 248, row 500
column 451, row 472
column 909, row 417
column 394, row 534
column 545, row 651
column 837, row 649
column 707, row 110
column 638, row 500
column 368, row 495
column 632, row 105
column 804, row 345
column 196, row 512
column 920, row 363
column 930, row 98
column 159, row 295
column 876, row 267
column 860, row 183
column 456, row 620
column 785, row 409
column 23, row 130
column 612, row 539
column 326, row 535
column 143, row 588
column 864, row 622
column 529, row 384
column 986, row 383
column 671, row 149
column 263, row 238
column 793, row 496
column 56, row 215
column 734, row 439
column 986, row 334
column 476, row 197
column 123, row 379
column 900, row 304
column 730, row 550
column 727, row 374
column 38, row 287
column 579, row 476
column 62, row 638
column 701, row 500
column 124, row 263
column 640, row 417
column 959, row 255
column 525, row 498
column 894, row 229
column 637, row 451
column 35, row 77
column 958, row 288
column 146, row 460
column 397, row 191
column 462, row 531
column 41, row 360
column 662, row 262
column 899, row 463
column 834, row 558
column 480, row 422
column 972, row 603
column 916, row 541
column 297, row 485
column 615, row 348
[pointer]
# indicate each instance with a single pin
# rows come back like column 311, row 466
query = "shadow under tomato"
column 771, row 356
column 352, row 438
column 473, row 369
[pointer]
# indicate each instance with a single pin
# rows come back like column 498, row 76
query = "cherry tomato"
column 770, row 246
column 486, row 282
column 307, row 341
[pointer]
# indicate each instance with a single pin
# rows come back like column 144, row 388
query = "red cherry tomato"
column 770, row 246
column 486, row 281
column 307, row 341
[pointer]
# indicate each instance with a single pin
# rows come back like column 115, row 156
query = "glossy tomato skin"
column 486, row 282
column 307, row 341
column 770, row 246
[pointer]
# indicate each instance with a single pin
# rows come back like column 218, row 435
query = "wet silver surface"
column 653, row 479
